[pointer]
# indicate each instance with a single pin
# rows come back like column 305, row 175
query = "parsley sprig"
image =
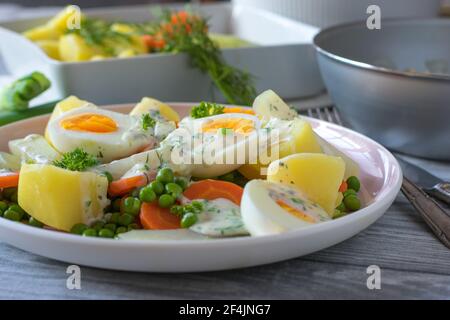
column 147, row 122
column 206, row 109
column 76, row 160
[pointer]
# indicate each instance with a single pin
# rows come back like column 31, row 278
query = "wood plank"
column 29, row 276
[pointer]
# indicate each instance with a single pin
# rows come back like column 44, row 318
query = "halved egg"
column 213, row 146
column 106, row 134
column 272, row 208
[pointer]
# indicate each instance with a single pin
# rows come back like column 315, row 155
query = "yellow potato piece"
column 302, row 139
column 71, row 102
column 73, row 48
column 317, row 175
column 50, row 47
column 60, row 198
column 65, row 19
column 42, row 33
column 148, row 104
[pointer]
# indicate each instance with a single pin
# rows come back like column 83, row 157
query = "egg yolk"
column 238, row 125
column 295, row 212
column 89, row 122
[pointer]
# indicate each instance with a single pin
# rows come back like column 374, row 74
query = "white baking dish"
column 284, row 60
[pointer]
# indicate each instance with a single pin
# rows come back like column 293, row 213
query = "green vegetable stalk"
column 17, row 95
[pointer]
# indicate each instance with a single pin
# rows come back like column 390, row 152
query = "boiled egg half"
column 106, row 134
column 271, row 208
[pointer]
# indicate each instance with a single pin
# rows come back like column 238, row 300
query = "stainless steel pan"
column 392, row 84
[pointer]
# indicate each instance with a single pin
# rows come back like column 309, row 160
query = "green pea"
column 116, row 205
column 147, row 194
column 349, row 192
column 120, row 230
column 182, row 182
column 338, row 214
column 79, row 228
column 126, row 219
column 108, row 176
column 12, row 215
column 110, row 226
column 14, row 198
column 97, row 225
column 3, row 206
column 165, row 175
column 8, row 192
column 157, row 187
column 132, row 206
column 353, row 183
column 35, row 223
column 166, row 200
column 135, row 193
column 177, row 210
column 134, row 226
column 173, row 189
column 114, row 218
column 188, row 220
column 90, row 233
column 106, row 233
column 17, row 208
column 352, row 203
column 341, row 207
column 197, row 205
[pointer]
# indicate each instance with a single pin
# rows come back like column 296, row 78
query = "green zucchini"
column 7, row 116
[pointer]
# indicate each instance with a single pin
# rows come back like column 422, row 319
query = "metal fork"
column 432, row 212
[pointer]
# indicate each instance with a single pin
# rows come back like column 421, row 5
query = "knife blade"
column 429, row 183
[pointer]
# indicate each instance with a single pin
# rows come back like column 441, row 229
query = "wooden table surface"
column 414, row 265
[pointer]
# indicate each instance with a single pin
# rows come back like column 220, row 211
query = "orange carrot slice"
column 213, row 189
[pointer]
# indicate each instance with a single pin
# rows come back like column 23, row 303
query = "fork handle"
column 434, row 215
column 440, row 191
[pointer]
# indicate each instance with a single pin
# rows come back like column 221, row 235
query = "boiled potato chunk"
column 148, row 104
column 269, row 105
column 61, row 198
column 50, row 47
column 72, row 48
column 301, row 138
column 9, row 162
column 70, row 103
column 317, row 175
column 41, row 33
column 65, row 19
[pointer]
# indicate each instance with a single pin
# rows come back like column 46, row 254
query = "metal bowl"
column 392, row 84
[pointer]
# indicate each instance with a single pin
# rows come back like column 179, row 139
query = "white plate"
column 381, row 177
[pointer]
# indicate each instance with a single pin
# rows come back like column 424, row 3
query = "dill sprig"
column 76, row 160
column 188, row 33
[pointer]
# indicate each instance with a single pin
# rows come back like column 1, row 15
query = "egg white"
column 263, row 216
column 126, row 140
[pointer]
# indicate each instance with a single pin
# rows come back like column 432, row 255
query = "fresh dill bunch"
column 147, row 121
column 206, row 109
column 76, row 160
column 188, row 33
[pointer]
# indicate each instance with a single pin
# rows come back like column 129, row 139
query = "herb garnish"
column 206, row 109
column 76, row 160
column 188, row 33
column 147, row 122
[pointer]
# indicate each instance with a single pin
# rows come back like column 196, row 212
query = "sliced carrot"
column 154, row 217
column 238, row 110
column 9, row 180
column 343, row 186
column 124, row 186
column 148, row 40
column 213, row 189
